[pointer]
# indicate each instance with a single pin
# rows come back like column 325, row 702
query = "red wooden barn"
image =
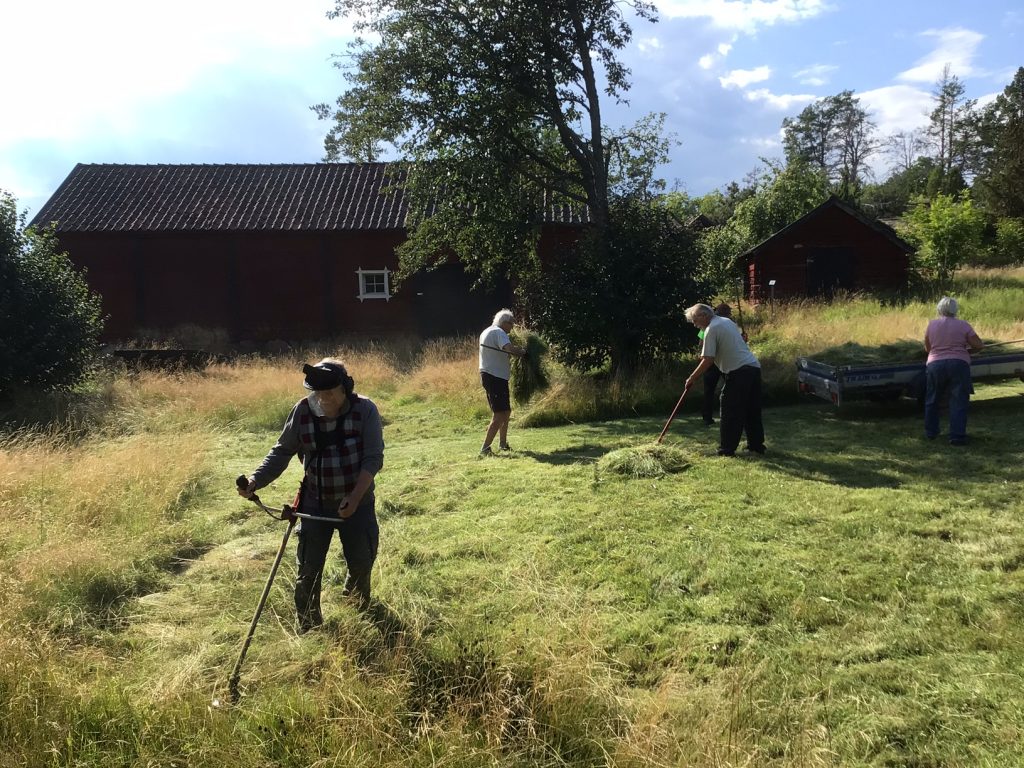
column 832, row 248
column 261, row 251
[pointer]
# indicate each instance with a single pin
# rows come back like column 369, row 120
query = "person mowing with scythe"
column 725, row 348
column 496, row 350
column 338, row 436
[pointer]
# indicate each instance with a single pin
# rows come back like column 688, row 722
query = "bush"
column 51, row 321
column 1009, row 246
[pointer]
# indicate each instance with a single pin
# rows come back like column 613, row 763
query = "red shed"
column 832, row 248
column 262, row 251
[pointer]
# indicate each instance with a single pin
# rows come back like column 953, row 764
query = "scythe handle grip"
column 243, row 482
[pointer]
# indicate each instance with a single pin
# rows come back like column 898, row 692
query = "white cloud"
column 816, row 75
column 897, row 107
column 783, row 101
column 741, row 78
column 708, row 59
column 988, row 98
column 649, row 44
column 742, row 15
column 101, row 67
column 762, row 142
column 955, row 46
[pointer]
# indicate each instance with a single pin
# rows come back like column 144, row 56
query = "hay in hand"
column 528, row 373
column 652, row 460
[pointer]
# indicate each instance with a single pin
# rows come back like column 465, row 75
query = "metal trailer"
column 889, row 381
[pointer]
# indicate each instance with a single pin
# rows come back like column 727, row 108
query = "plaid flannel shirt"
column 333, row 470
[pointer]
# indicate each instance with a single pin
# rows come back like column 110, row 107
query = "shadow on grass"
column 573, row 454
column 831, row 471
column 882, row 445
column 391, row 626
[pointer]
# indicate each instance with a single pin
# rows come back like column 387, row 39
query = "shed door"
column 829, row 270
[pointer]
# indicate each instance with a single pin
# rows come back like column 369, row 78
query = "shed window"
column 374, row 284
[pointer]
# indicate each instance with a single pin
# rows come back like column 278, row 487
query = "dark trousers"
column 741, row 410
column 707, row 408
column 359, row 536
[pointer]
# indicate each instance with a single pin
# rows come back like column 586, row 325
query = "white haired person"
column 496, row 349
column 725, row 349
column 338, row 436
column 949, row 342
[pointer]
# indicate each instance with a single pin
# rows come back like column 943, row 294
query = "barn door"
column 829, row 270
column 446, row 304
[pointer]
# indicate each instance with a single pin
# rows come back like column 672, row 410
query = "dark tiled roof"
column 233, row 198
column 834, row 202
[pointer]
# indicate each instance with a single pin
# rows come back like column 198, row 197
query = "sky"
column 232, row 81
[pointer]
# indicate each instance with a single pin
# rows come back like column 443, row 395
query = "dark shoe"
column 723, row 452
column 959, row 442
column 930, row 437
column 709, row 422
column 757, row 449
column 486, row 451
column 505, row 447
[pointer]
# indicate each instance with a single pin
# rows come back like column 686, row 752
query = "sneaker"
column 723, row 452
column 709, row 422
column 959, row 441
column 756, row 449
column 486, row 451
column 505, row 447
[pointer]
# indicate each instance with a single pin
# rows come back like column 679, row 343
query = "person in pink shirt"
column 949, row 342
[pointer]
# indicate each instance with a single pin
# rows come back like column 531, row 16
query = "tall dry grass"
column 445, row 368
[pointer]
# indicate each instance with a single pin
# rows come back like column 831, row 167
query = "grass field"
column 854, row 597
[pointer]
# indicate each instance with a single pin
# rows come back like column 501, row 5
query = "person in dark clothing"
column 338, row 436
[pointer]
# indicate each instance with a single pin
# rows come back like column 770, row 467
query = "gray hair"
column 504, row 316
column 699, row 309
column 947, row 307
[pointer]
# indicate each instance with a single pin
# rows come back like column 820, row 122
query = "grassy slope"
column 854, row 597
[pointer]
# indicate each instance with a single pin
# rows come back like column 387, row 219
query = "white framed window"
column 374, row 284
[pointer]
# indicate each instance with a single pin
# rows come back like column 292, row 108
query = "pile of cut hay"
column 852, row 353
column 529, row 375
column 653, row 460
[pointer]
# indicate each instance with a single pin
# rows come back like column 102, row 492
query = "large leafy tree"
column 49, row 320
column 496, row 104
column 1000, row 182
column 783, row 195
column 953, row 134
column 835, row 135
column 622, row 300
column 947, row 231
column 893, row 196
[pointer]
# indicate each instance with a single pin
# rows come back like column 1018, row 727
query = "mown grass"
column 852, row 598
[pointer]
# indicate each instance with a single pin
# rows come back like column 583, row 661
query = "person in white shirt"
column 496, row 350
column 725, row 348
